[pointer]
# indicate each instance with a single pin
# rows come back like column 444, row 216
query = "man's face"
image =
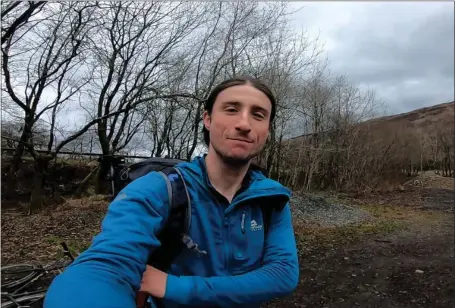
column 239, row 123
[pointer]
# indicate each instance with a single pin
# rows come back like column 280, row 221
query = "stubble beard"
column 236, row 161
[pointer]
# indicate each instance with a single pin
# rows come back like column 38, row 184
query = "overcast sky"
column 402, row 50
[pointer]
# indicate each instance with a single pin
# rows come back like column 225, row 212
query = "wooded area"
column 132, row 77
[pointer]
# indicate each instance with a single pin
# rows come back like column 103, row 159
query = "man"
column 242, row 266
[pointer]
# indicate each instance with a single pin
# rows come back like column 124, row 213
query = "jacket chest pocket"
column 247, row 240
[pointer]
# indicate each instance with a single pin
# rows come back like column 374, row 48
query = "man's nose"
column 243, row 123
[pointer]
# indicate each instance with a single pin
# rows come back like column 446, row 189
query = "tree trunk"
column 278, row 159
column 10, row 186
column 421, row 163
column 271, row 153
column 196, row 122
column 100, row 187
column 270, row 160
column 100, row 184
column 39, row 179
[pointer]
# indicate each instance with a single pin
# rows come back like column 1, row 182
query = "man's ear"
column 269, row 136
column 206, row 120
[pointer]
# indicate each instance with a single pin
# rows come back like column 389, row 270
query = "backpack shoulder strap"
column 179, row 198
column 178, row 223
column 267, row 217
column 174, row 236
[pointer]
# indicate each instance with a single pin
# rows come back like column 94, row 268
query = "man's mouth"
column 242, row 140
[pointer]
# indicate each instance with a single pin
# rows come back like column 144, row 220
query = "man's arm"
column 276, row 278
column 108, row 274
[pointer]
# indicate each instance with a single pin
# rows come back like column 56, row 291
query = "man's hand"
column 154, row 282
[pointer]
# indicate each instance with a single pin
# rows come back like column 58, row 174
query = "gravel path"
column 318, row 210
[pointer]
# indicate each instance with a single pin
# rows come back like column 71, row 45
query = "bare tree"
column 327, row 154
column 43, row 58
column 221, row 51
column 215, row 51
column 445, row 135
column 130, row 55
column 16, row 14
column 317, row 94
column 12, row 131
column 281, row 59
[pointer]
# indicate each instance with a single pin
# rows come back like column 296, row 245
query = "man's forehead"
column 243, row 94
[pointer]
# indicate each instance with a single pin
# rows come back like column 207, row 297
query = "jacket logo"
column 255, row 226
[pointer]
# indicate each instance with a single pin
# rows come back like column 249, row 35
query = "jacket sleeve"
column 276, row 278
column 109, row 272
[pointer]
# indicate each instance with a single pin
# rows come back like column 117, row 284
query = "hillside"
column 379, row 151
column 426, row 118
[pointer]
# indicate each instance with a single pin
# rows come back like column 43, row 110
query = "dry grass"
column 430, row 180
column 36, row 238
column 385, row 219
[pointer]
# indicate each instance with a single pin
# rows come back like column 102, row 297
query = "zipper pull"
column 243, row 222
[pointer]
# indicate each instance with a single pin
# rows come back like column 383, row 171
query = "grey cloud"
column 404, row 51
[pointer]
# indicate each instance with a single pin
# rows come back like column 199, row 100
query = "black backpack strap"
column 178, row 223
column 266, row 220
column 175, row 235
column 266, row 217
column 179, row 198
column 268, row 207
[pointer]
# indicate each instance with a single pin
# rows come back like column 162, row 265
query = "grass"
column 75, row 247
column 385, row 219
column 346, row 234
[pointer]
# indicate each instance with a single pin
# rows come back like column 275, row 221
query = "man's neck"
column 226, row 179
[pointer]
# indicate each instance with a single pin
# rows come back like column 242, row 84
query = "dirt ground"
column 379, row 269
column 403, row 257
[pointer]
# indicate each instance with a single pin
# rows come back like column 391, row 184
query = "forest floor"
column 387, row 250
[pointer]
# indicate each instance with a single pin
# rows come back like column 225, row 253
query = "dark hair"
column 235, row 82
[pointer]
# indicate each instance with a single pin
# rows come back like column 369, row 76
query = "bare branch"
column 20, row 20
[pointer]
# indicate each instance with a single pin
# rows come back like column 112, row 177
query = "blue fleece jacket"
column 241, row 267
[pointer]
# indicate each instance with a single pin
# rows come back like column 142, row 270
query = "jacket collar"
column 203, row 167
column 255, row 185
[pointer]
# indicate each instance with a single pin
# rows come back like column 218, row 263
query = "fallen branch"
column 84, row 182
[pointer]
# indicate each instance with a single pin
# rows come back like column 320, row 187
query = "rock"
column 419, row 271
column 346, row 258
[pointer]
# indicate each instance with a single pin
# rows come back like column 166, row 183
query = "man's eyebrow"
column 231, row 103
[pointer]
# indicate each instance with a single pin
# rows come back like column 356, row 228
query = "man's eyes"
column 257, row 115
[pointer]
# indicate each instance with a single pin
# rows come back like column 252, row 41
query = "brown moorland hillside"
column 427, row 119
column 365, row 155
column 422, row 116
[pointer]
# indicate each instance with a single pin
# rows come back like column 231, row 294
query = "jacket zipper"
column 242, row 224
column 226, row 233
